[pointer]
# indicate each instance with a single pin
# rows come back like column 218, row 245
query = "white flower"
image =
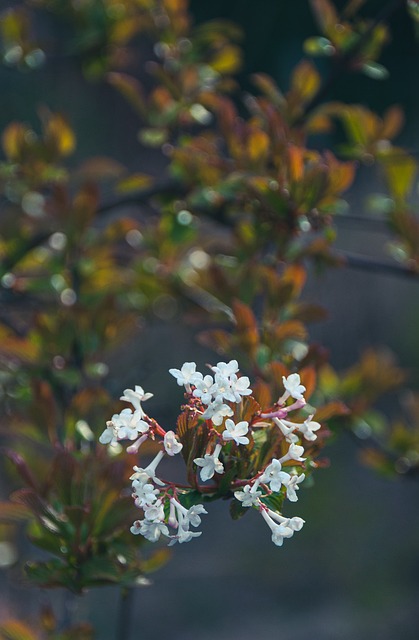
column 149, row 473
column 144, row 493
column 288, row 431
column 273, row 475
column 223, row 390
column 248, row 497
column 183, row 536
column 295, row 452
column 110, row 435
column 217, row 412
column 186, row 375
column 204, row 389
column 129, row 424
column 171, row 444
column 296, row 523
column 210, row 464
column 293, row 387
column 188, row 516
column 236, row 432
column 308, row 427
column 279, row 531
column 291, row 482
column 226, row 369
column 193, row 514
column 136, row 397
column 239, row 387
column 152, row 530
column 155, row 512
column 133, row 448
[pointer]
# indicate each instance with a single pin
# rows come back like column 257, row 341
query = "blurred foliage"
column 248, row 202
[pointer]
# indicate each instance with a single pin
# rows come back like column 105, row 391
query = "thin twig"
column 382, row 267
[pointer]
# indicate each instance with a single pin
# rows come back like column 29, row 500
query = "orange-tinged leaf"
column 308, row 379
column 393, row 121
column 59, row 133
column 15, row 630
column 296, row 162
column 331, row 410
column 325, row 14
column 257, row 145
column 228, row 60
column 134, row 182
column 290, row 329
column 13, row 139
column 130, row 88
column 305, row 80
column 100, row 168
column 296, row 275
column 262, row 393
column 247, row 329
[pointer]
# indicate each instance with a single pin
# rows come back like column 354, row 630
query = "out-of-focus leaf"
column 59, row 135
column 134, row 182
column 400, row 171
column 130, row 88
column 15, row 630
column 325, row 14
column 157, row 560
column 305, row 80
column 11, row 512
column 247, row 329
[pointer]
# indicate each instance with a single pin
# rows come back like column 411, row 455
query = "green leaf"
column 375, row 70
column 237, row 510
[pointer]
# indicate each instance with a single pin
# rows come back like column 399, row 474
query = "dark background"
column 353, row 571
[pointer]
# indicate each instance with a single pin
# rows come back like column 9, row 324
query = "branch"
column 381, row 267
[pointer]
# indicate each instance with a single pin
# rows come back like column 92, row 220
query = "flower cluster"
column 230, row 434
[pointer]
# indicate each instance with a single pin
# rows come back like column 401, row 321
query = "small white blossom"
column 236, row 432
column 145, row 494
column 152, row 530
column 110, row 435
column 193, row 514
column 273, row 475
column 247, row 497
column 296, row 523
column 136, row 397
column 204, row 389
column 188, row 516
column 293, row 387
column 134, row 447
column 288, row 431
column 155, row 512
column 279, row 531
column 295, row 452
column 291, row 482
column 239, row 387
column 171, row 444
column 308, row 427
column 210, row 464
column 226, row 369
column 129, row 424
column 183, row 536
column 149, row 473
column 217, row 411
column 185, row 375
